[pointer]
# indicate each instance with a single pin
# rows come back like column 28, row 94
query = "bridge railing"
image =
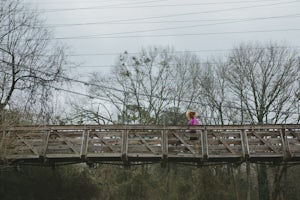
column 137, row 143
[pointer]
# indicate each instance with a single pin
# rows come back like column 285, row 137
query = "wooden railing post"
column 125, row 147
column 164, row 144
column 204, row 144
column 45, row 146
column 84, row 144
column 245, row 144
column 285, row 145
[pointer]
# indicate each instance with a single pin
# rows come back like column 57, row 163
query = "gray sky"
column 98, row 30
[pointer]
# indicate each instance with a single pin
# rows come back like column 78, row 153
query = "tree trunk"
column 277, row 192
column 248, row 181
column 263, row 186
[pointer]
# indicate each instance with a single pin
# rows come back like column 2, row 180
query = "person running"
column 192, row 117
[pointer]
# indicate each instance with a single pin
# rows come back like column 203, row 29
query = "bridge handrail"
column 150, row 127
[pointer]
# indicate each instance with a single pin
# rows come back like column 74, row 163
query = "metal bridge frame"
column 126, row 144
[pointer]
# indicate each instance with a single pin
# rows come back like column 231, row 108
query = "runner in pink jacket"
column 192, row 117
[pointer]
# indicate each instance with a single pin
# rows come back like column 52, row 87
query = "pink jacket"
column 194, row 121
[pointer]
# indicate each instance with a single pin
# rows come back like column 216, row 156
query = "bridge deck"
column 136, row 143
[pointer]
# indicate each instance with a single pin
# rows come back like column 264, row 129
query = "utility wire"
column 174, row 35
column 175, row 52
column 67, row 2
column 79, row 93
column 101, row 7
column 228, row 20
column 173, row 28
column 144, row 2
column 114, row 6
column 201, row 12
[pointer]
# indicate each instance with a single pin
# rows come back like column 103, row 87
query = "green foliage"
column 37, row 183
column 173, row 182
column 138, row 182
column 290, row 185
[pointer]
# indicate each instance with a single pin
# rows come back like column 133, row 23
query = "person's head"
column 193, row 114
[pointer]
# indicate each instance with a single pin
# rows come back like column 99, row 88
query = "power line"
column 111, row 35
column 114, row 6
column 176, row 52
column 140, row 1
column 231, row 20
column 100, row 36
column 68, row 2
column 100, row 7
column 79, row 93
column 201, row 12
column 173, row 28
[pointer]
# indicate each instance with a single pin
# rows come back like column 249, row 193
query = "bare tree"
column 30, row 62
column 138, row 86
column 215, row 91
column 184, row 87
column 263, row 79
column 148, row 87
column 89, row 111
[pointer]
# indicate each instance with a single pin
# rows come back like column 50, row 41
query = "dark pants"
column 193, row 137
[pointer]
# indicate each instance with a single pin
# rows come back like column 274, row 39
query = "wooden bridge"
column 128, row 144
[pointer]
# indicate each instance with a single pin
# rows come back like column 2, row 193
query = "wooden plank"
column 144, row 142
column 293, row 133
column 265, row 142
column 104, row 141
column 224, row 143
column 28, row 145
column 66, row 141
column 184, row 143
column 152, row 127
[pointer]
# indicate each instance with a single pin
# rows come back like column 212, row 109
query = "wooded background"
column 254, row 84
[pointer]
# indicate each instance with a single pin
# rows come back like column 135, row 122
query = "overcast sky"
column 98, row 30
